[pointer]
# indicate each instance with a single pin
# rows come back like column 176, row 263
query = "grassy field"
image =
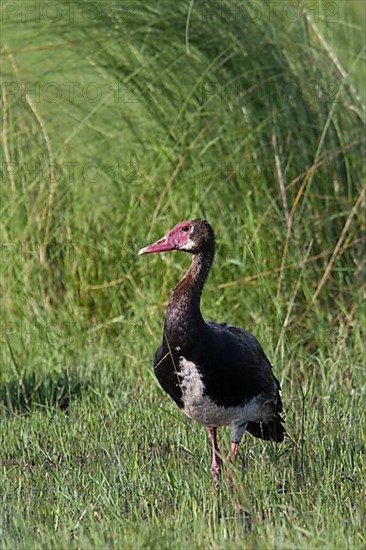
column 118, row 121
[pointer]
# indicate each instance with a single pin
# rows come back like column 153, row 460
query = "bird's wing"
column 273, row 430
column 158, row 354
column 242, row 337
column 246, row 356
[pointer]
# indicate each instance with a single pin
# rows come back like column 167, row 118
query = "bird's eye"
column 185, row 228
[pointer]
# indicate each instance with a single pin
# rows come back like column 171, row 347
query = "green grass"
column 253, row 119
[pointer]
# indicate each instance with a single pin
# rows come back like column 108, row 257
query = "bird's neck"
column 184, row 304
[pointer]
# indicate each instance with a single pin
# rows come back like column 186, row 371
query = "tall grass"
column 119, row 121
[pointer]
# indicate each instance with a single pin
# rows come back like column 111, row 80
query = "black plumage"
column 216, row 373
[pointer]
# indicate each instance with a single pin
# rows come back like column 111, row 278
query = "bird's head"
column 192, row 236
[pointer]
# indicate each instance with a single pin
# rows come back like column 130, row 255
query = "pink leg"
column 233, row 452
column 216, row 460
column 231, row 458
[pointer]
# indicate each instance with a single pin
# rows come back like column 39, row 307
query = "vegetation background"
column 120, row 119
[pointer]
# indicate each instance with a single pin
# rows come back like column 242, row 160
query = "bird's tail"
column 271, row 431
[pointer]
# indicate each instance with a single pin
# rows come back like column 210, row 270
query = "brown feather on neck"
column 186, row 296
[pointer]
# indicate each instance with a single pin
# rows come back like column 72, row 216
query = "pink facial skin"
column 175, row 239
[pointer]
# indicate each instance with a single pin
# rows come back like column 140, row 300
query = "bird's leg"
column 216, row 460
column 231, row 458
column 233, row 452
column 237, row 433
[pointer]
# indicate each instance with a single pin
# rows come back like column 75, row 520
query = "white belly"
column 201, row 408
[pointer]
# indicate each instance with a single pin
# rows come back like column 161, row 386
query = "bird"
column 217, row 373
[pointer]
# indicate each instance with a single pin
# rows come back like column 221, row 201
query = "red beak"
column 162, row 245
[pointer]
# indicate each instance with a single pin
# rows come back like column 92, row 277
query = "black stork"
column 216, row 373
